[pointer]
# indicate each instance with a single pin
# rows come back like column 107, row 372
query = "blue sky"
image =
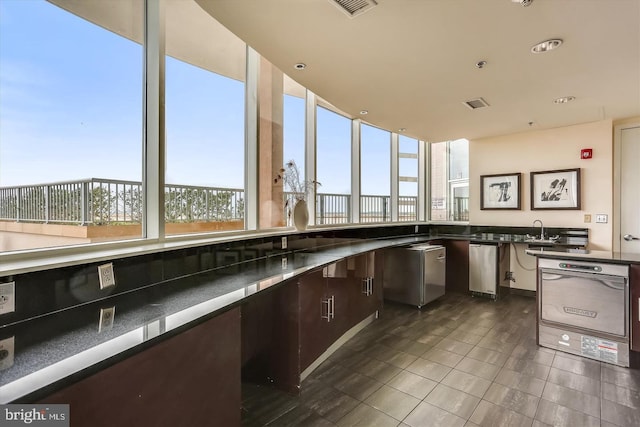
column 71, row 108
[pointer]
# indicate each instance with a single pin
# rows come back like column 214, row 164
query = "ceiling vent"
column 474, row 104
column 354, row 8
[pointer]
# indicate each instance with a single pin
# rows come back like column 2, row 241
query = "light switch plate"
column 106, row 276
column 284, row 263
column 602, row 218
column 7, row 297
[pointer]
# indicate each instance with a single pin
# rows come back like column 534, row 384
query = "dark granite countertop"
column 48, row 350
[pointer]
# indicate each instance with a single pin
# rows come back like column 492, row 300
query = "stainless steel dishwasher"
column 414, row 275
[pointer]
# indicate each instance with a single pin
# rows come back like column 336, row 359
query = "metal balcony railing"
column 108, row 202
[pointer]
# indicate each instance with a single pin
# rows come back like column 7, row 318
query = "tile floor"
column 460, row 361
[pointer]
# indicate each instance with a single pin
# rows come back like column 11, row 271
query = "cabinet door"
column 189, row 379
column 634, row 283
column 314, row 331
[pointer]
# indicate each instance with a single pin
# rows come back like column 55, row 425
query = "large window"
column 333, row 160
column 375, row 178
column 407, row 178
column 204, row 107
column 70, row 123
column 450, row 181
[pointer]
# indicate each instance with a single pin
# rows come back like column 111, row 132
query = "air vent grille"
column 354, row 7
column 474, row 104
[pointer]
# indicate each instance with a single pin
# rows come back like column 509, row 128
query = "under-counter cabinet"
column 190, row 379
column 634, row 287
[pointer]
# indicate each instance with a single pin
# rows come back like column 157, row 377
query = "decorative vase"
column 300, row 215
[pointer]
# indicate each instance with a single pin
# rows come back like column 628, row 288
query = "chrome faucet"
column 542, row 237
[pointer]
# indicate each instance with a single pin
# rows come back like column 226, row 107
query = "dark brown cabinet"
column 634, row 290
column 189, row 379
column 332, row 304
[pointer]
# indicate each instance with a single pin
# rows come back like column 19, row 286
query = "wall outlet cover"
column 7, row 351
column 587, row 217
column 284, row 263
column 107, row 316
column 602, row 218
column 284, row 243
column 7, row 297
column 106, row 276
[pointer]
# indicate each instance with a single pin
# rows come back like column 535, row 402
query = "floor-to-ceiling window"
column 450, row 180
column 333, row 167
column 70, row 122
column 407, row 178
column 375, row 174
column 205, row 123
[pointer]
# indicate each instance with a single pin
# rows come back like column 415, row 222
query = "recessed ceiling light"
column 300, row 66
column 364, row 112
column 564, row 99
column 402, row 129
column 546, row 45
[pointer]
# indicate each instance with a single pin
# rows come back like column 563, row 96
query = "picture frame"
column 555, row 189
column 500, row 191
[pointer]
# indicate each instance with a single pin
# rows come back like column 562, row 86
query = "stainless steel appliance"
column 488, row 268
column 414, row 275
column 583, row 309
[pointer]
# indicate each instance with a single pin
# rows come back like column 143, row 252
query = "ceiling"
column 412, row 63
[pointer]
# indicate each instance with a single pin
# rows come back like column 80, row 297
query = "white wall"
column 549, row 150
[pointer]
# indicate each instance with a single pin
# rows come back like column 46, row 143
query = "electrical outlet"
column 284, row 263
column 106, row 276
column 7, row 347
column 587, row 217
column 284, row 243
column 107, row 316
column 7, row 297
column 416, row 229
column 602, row 218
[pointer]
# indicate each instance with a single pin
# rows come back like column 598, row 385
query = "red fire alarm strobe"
column 586, row 153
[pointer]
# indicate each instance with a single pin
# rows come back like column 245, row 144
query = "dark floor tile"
column 527, row 384
column 573, row 399
column 488, row 356
column 528, row 367
column 541, row 355
column 497, row 344
column 454, row 346
column 574, row 381
column 263, row 404
column 561, row 416
column 512, row 399
column 429, row 339
column 412, row 384
column 300, row 416
column 465, row 336
column 478, row 368
column 358, row 386
column 490, row 415
column 443, row 357
column 621, row 395
column 392, row 402
column 619, row 414
column 366, row 416
column 623, row 377
column 581, row 366
column 330, row 403
column 377, row 370
column 452, row 400
column 426, row 414
column 474, row 328
column 428, row 369
column 466, row 382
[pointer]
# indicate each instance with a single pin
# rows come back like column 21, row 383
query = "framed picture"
column 559, row 189
column 500, row 191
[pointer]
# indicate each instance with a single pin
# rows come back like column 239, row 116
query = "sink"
column 549, row 241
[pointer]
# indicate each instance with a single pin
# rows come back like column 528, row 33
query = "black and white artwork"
column 500, row 191
column 558, row 189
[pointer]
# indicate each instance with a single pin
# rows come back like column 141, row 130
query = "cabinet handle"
column 367, row 286
column 328, row 306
